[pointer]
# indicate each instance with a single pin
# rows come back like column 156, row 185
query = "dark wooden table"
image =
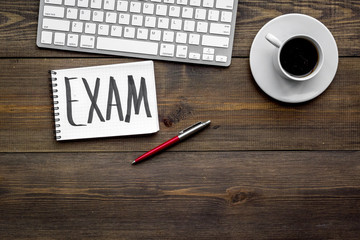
column 263, row 170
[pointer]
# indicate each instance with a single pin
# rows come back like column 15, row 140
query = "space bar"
column 124, row 45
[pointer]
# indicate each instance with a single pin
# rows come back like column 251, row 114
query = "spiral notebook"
column 105, row 101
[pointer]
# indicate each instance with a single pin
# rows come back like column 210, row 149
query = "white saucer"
column 262, row 51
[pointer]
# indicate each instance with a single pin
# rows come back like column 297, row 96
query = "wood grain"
column 220, row 184
column 243, row 117
column 177, row 195
column 18, row 25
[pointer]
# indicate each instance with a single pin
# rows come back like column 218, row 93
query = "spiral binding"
column 55, row 102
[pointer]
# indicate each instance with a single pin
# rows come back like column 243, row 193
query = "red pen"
column 187, row 132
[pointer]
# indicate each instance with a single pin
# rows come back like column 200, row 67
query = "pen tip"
column 133, row 162
column 207, row 122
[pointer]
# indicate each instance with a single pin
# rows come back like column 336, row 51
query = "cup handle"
column 273, row 40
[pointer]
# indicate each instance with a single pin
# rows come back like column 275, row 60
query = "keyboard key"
column 208, row 57
column 135, row 7
column 124, row 18
column 155, row 35
column 174, row 11
column 215, row 41
column 220, row 58
column 148, row 8
column 73, row 40
column 137, row 20
column 213, row 15
column 168, row 36
column 219, row 28
column 202, row 27
column 56, row 24
column 181, row 51
column 182, row 2
column 150, row 21
column 209, row 3
column 225, row 4
column 195, row 56
column 126, row 45
column 83, row 3
column 71, row 13
column 85, row 15
column 129, row 32
column 96, row 4
column 46, row 37
column 194, row 39
column 176, row 24
column 103, row 29
column 109, row 4
column 181, row 37
column 58, row 2
column 209, row 51
column 200, row 14
column 98, row 16
column 167, row 50
column 59, row 39
column 163, row 23
column 90, row 28
column 189, row 26
column 161, row 10
column 111, row 17
column 116, row 31
column 87, row 41
column 142, row 33
column 187, row 12
column 226, row 16
column 77, row 27
column 69, row 2
column 54, row 11
column 122, row 6
column 195, row 3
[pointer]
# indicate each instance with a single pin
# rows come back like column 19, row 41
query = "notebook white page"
column 105, row 101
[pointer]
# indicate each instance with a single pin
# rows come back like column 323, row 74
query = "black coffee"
column 299, row 57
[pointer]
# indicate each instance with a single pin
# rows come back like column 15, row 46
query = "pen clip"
column 188, row 128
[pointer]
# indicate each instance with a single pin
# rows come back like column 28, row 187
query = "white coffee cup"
column 279, row 47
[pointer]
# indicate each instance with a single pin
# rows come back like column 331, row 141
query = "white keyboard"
column 191, row 31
